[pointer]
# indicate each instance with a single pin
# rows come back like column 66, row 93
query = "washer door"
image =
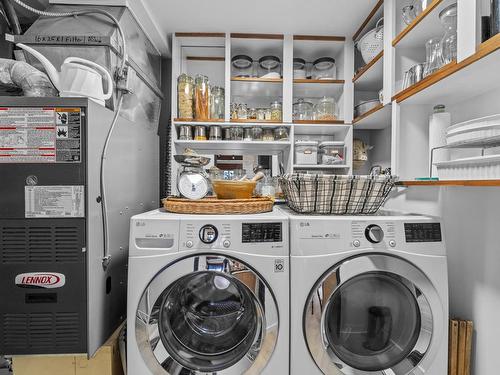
column 370, row 315
column 207, row 314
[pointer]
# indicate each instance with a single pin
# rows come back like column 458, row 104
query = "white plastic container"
column 306, row 152
column 478, row 129
column 475, row 168
column 331, row 153
column 439, row 122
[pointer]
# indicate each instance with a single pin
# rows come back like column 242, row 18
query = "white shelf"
column 380, row 119
column 320, row 166
column 317, row 89
column 372, row 79
column 252, row 89
column 231, row 123
column 323, row 129
column 234, row 147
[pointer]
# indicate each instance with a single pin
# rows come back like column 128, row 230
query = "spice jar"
column 242, row 112
column 185, row 92
column 261, row 114
column 325, row 109
column 234, row 111
column 200, row 133
column 248, row 134
column 268, row 114
column 268, row 135
column 281, row 134
column 236, row 134
column 217, row 103
column 252, row 114
column 202, row 97
column 257, row 133
column 276, row 111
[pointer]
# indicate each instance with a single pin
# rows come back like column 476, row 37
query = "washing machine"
column 208, row 294
column 369, row 295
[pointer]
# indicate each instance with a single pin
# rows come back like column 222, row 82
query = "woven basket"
column 214, row 206
column 336, row 194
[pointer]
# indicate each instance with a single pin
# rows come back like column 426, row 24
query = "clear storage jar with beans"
column 325, row 109
column 276, row 111
column 202, row 97
column 185, row 96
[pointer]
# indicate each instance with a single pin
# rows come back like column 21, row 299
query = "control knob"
column 208, row 234
column 374, row 233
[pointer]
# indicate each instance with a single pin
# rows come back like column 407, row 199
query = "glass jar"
column 325, row 109
column 236, row 133
column 261, row 114
column 241, row 66
column 267, row 135
column 434, row 56
column 270, row 67
column 268, row 114
column 252, row 114
column 242, row 112
column 448, row 17
column 324, row 68
column 257, row 133
column 281, row 134
column 217, row 103
column 276, row 111
column 185, row 94
column 202, row 97
column 302, row 110
column 234, row 111
column 299, row 68
column 247, row 134
column 267, row 187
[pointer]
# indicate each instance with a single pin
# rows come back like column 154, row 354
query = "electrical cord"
column 120, row 76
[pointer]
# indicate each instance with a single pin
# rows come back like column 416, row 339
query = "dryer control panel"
column 261, row 232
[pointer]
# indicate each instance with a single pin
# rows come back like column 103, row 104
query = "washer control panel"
column 208, row 234
column 261, row 232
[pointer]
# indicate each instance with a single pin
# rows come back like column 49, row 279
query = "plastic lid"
column 324, row 63
column 331, row 143
column 269, row 62
column 298, row 63
column 301, row 142
column 242, row 61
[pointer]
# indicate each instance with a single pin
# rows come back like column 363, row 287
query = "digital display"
column 261, row 232
column 423, row 232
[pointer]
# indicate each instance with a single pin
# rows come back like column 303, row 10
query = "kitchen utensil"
column 421, row 5
column 78, row 77
column 485, row 167
column 434, row 56
column 270, row 67
column 215, row 133
column 185, row 133
column 478, row 129
column 200, row 133
column 299, row 68
column 448, row 18
column 257, row 133
column 230, row 189
column 372, row 43
column 409, row 13
column 193, row 182
column 365, row 106
column 227, row 134
column 192, row 160
column 324, row 68
column 242, row 66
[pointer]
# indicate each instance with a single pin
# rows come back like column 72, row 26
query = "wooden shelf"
column 234, row 147
column 188, row 121
column 370, row 77
column 456, row 82
column 320, row 81
column 368, row 19
column 425, row 26
column 376, row 118
column 469, row 183
column 256, row 79
column 331, row 122
column 320, row 166
column 234, row 122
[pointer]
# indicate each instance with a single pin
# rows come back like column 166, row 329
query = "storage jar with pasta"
column 202, row 97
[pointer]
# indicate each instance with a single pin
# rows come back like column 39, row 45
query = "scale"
column 192, row 180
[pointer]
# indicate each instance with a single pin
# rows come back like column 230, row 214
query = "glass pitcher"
column 448, row 18
column 434, row 53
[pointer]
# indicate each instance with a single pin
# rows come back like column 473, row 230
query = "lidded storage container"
column 324, row 68
column 306, row 152
column 270, row 67
column 242, row 66
column 299, row 68
column 331, row 153
column 201, row 97
column 185, row 95
column 325, row 109
column 302, row 110
column 217, row 108
column 276, row 114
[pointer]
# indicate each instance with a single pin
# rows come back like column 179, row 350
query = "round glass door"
column 370, row 318
column 206, row 314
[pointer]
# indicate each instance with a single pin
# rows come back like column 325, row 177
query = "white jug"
column 78, row 77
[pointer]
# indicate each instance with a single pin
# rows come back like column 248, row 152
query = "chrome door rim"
column 150, row 345
column 344, row 271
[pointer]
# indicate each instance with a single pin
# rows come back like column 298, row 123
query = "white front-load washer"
column 369, row 295
column 208, row 294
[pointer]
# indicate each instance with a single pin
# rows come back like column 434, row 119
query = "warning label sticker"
column 40, row 135
column 54, row 201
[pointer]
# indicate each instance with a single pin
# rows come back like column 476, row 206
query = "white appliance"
column 369, row 295
column 208, row 294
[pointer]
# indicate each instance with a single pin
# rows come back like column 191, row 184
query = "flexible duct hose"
column 18, row 74
column 11, row 16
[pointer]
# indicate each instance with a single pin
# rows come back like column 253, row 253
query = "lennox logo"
column 46, row 280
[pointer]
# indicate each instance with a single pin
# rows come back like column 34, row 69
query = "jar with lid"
column 217, row 103
column 202, row 97
column 234, row 111
column 302, row 110
column 268, row 135
column 281, row 134
column 276, row 111
column 242, row 112
column 236, row 133
column 252, row 114
column 257, row 133
column 325, row 109
column 299, row 68
column 185, row 95
column 261, row 114
column 242, row 66
column 268, row 114
column 247, row 134
column 324, row 68
column 448, row 17
column 270, row 67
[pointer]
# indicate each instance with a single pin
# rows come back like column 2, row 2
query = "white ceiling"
column 320, row 17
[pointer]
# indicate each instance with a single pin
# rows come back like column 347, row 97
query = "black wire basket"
column 336, row 194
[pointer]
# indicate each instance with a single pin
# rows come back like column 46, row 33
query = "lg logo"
column 279, row 265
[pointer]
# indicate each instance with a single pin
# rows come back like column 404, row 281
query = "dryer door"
column 207, row 314
column 370, row 315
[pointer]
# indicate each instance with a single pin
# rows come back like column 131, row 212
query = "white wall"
column 471, row 219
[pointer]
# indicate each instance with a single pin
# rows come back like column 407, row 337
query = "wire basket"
column 372, row 43
column 336, row 194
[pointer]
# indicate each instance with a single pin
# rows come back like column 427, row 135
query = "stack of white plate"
column 480, row 129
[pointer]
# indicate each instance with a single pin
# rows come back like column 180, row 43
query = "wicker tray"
column 216, row 206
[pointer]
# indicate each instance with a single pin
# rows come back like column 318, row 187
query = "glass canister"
column 236, row 133
column 299, row 68
column 267, row 135
column 268, row 114
column 302, row 110
column 185, row 94
column 324, row 68
column 241, row 66
column 281, row 134
column 261, row 114
column 434, row 56
column 276, row 111
column 448, row 17
column 247, row 134
column 242, row 112
column 202, row 97
column 270, row 67
column 325, row 109
column 234, row 111
column 217, row 103
column 257, row 133
column 252, row 114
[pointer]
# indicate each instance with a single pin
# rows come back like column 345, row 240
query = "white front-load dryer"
column 369, row 295
column 208, row 294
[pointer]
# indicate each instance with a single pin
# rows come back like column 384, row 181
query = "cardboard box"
column 106, row 361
